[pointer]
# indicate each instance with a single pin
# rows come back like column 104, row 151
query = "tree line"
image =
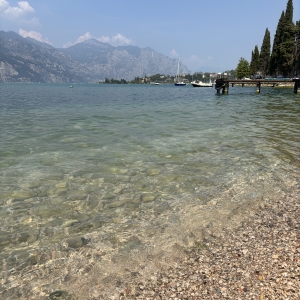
column 283, row 59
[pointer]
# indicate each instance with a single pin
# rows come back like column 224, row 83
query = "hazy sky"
column 204, row 35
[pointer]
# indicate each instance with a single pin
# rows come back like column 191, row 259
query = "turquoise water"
column 136, row 165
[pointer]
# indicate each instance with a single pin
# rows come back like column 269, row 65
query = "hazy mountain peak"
column 28, row 60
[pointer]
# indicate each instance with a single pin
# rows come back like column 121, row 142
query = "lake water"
column 136, row 166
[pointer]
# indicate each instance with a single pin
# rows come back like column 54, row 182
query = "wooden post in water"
column 258, row 88
column 297, row 87
column 225, row 88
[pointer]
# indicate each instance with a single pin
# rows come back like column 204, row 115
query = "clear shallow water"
column 132, row 165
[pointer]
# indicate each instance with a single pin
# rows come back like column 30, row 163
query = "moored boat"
column 201, row 84
column 177, row 82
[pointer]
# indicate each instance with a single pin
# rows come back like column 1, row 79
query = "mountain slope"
column 127, row 62
column 27, row 60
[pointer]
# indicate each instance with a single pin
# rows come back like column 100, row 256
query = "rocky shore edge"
column 258, row 260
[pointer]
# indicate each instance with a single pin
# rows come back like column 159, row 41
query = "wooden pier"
column 223, row 84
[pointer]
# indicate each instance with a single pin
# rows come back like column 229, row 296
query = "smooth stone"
column 69, row 223
column 119, row 171
column 94, row 203
column 83, row 218
column 31, row 260
column 22, row 204
column 170, row 178
column 60, row 191
column 133, row 206
column 133, row 242
column 109, row 196
column 153, row 172
column 137, row 199
column 117, row 220
column 22, row 195
column 116, row 204
column 77, row 195
column 23, row 237
column 61, row 184
column 57, row 201
column 55, row 222
column 60, row 295
column 5, row 239
column 75, row 242
column 26, row 219
column 148, row 198
column 46, row 211
column 32, row 238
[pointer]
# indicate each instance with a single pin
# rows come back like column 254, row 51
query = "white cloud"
column 194, row 58
column 174, row 54
column 3, row 6
column 117, row 40
column 15, row 12
column 34, row 35
column 85, row 37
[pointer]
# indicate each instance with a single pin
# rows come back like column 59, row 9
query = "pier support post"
column 258, row 88
column 225, row 88
column 297, row 87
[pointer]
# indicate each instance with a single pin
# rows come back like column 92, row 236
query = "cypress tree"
column 265, row 53
column 254, row 64
column 297, row 50
column 275, row 56
column 286, row 48
column 289, row 11
column 251, row 64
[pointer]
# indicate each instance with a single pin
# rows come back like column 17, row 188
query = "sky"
column 207, row 36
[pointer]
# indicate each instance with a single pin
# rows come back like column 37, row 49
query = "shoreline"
column 255, row 256
column 258, row 260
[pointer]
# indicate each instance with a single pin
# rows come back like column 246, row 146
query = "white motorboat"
column 198, row 83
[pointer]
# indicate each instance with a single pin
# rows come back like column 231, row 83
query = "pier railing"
column 223, row 83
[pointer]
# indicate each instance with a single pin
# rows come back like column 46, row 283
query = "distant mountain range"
column 28, row 60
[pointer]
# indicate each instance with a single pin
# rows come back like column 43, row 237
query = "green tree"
column 265, row 50
column 242, row 69
column 287, row 41
column 275, row 56
column 254, row 64
column 297, row 50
